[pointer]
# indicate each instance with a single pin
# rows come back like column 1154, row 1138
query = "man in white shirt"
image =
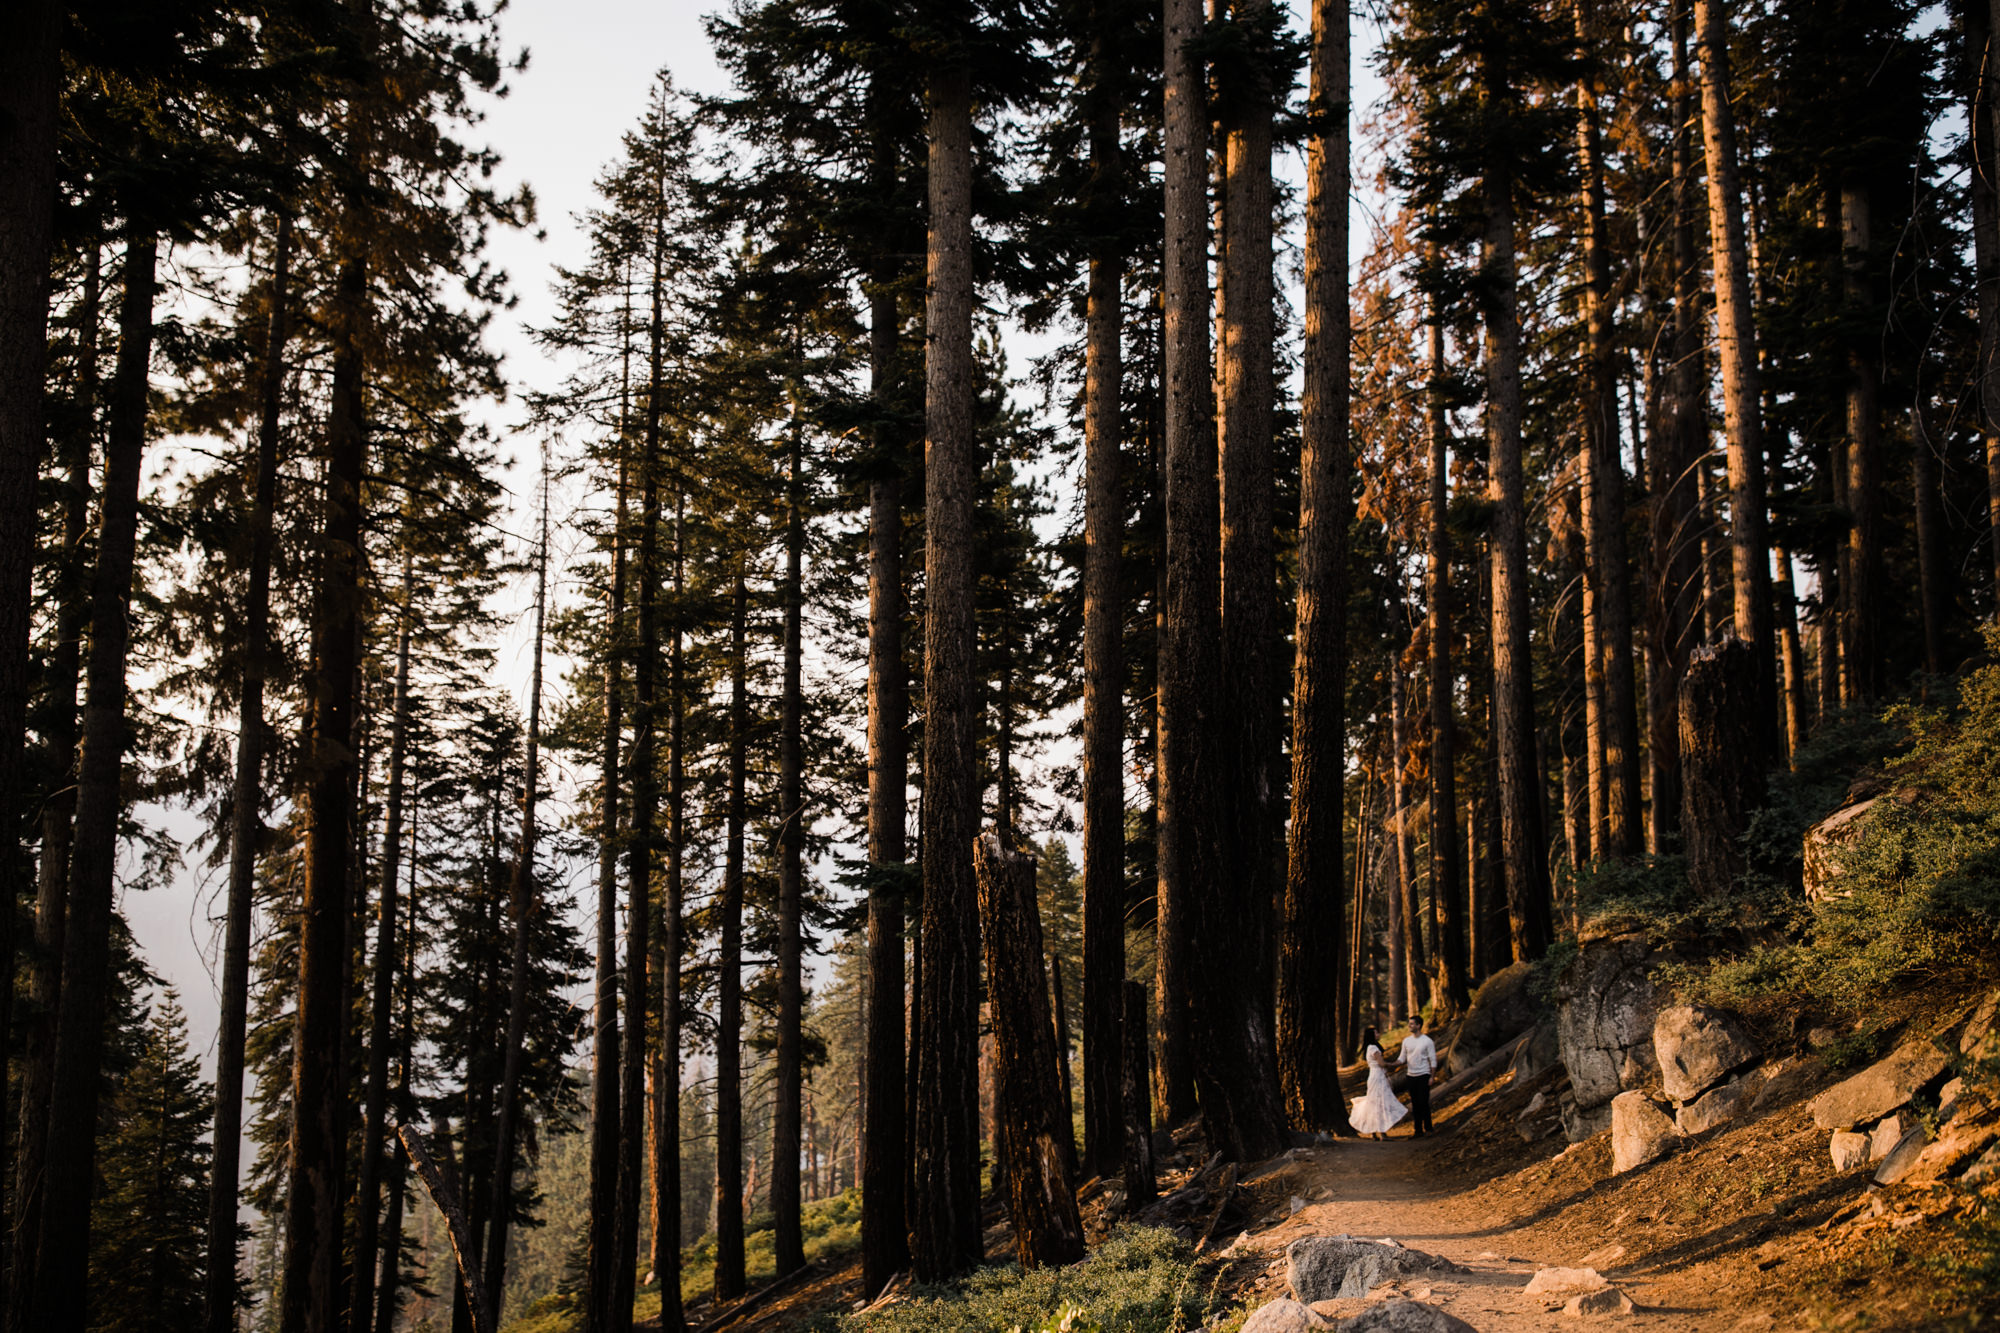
column 1419, row 1058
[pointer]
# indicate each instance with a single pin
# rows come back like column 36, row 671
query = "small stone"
column 1282, row 1316
column 1888, row 1132
column 1819, row 1037
column 1327, row 1267
column 1535, row 1104
column 1554, row 1285
column 1607, row 1300
column 1901, row 1159
column 1948, row 1098
column 1604, row 1258
column 1849, row 1150
column 1698, row 1047
column 1640, row 1131
column 1297, row 1203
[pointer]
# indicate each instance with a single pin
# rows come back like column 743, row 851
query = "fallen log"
column 438, row 1182
column 756, row 1299
column 1227, row 1192
column 1453, row 1088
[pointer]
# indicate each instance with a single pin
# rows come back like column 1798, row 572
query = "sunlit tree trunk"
column 1736, row 339
column 1449, row 988
column 1861, row 613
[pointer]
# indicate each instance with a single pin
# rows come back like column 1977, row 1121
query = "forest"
column 1075, row 570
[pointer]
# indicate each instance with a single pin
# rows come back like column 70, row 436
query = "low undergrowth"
column 1140, row 1280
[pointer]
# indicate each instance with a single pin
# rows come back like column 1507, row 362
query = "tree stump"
column 1027, row 1086
column 1136, row 1082
column 1722, row 762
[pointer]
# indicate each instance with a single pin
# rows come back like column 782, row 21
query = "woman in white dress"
column 1377, row 1111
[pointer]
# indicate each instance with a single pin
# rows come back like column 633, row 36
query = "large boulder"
column 1502, row 1009
column 1325, row 1268
column 1405, row 1317
column 1828, row 842
column 1604, row 1018
column 1698, row 1047
column 1640, row 1131
column 1579, row 1122
column 1848, row 1150
column 1884, row 1086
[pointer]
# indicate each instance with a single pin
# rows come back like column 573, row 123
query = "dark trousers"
column 1420, row 1102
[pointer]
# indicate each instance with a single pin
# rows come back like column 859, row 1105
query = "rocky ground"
column 1769, row 1217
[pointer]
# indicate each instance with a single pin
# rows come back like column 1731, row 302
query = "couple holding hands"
column 1377, row 1111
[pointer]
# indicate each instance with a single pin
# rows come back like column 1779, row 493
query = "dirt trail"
column 1399, row 1190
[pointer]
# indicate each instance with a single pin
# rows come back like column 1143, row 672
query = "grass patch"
column 1140, row 1280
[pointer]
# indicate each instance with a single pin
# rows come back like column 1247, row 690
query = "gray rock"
column 1717, row 1106
column 1902, row 1158
column 1785, row 1086
column 1604, row 1015
column 1888, row 1132
column 1884, row 1086
column 1501, row 1010
column 1605, row 1300
column 1325, row 1268
column 1540, row 1051
column 1282, row 1316
column 1849, row 1150
column 1579, row 1123
column 1406, row 1317
column 1827, row 841
column 1698, row 1047
column 1640, row 1131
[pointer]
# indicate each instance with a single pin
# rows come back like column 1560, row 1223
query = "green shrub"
column 1919, row 892
column 1140, row 1280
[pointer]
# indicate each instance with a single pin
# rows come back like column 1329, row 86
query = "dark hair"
column 1369, row 1038
column 1416, row 1021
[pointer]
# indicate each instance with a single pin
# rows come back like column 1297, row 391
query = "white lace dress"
column 1378, row 1111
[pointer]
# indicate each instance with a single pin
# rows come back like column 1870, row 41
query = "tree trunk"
column 61, row 692
column 1103, row 624
column 671, row 945
column 30, row 88
column 1313, row 906
column 1791, row 659
column 1188, row 664
column 62, row 1246
column 1981, row 19
column 944, row 1226
column 1407, row 944
column 1523, row 856
column 1066, row 1092
column 1607, row 611
column 790, row 1240
column 1930, row 559
column 1449, row 990
column 1674, row 609
column 729, row 1275
column 367, row 1208
column 1722, row 771
column 1347, row 994
column 1136, row 1082
column 392, row 1229
column 318, row 1159
column 885, row 1245
column 604, row 1052
column 522, row 907
column 1736, row 337
column 1236, row 1078
column 1030, row 1117
column 1861, row 613
column 645, row 817
column 438, row 1182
